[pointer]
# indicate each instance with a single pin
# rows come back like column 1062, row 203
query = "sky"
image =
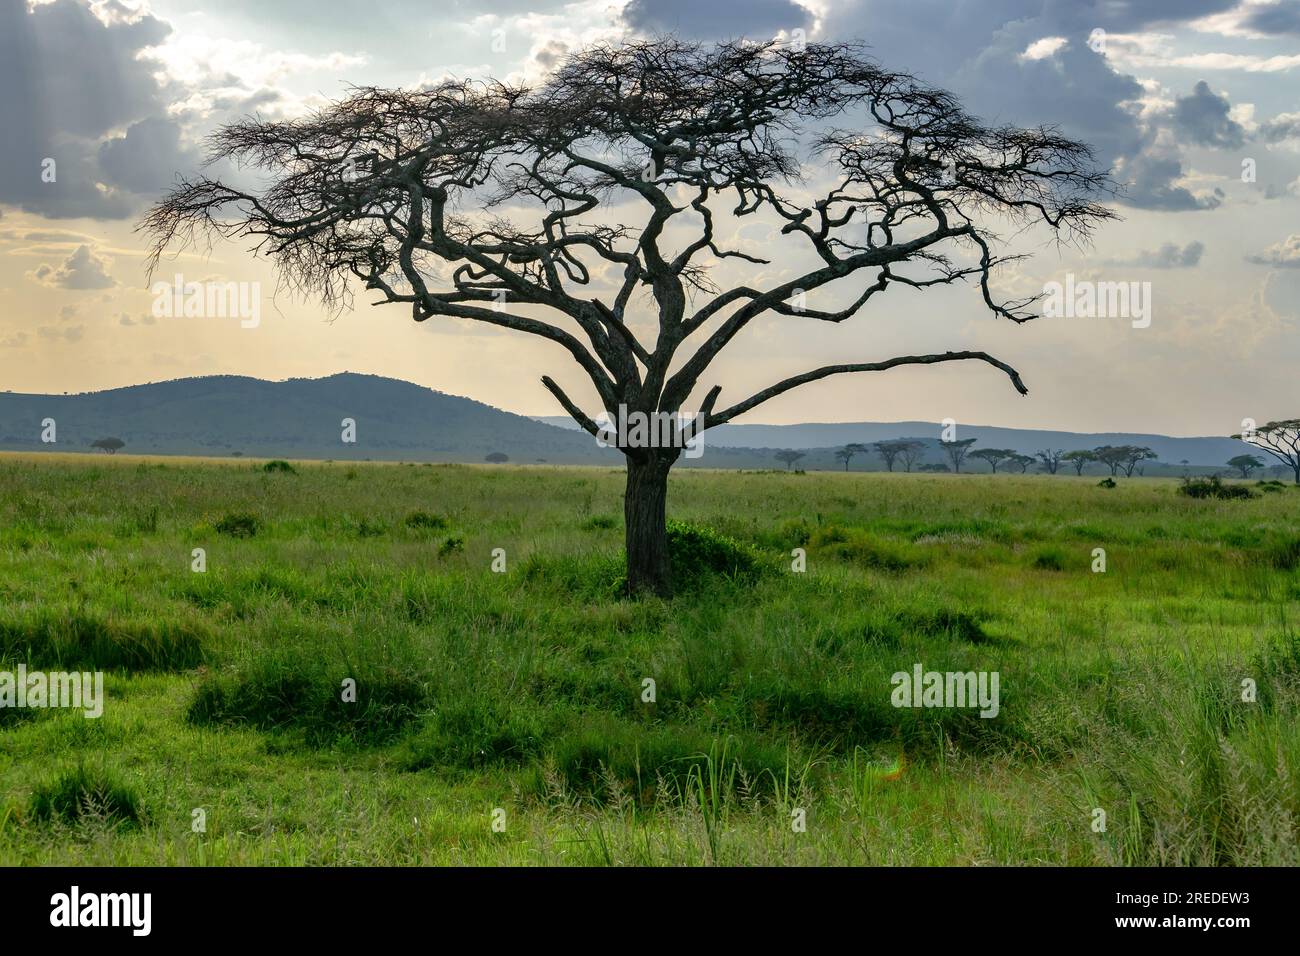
column 1194, row 105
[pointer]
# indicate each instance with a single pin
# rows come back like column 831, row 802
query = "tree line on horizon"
column 1280, row 439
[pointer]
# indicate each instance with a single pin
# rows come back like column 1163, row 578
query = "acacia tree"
column 1080, row 459
column 847, row 453
column 1023, row 461
column 1245, row 464
column 110, row 445
column 1281, row 440
column 591, row 210
column 1133, row 454
column 789, row 457
column 994, row 456
column 957, row 451
column 911, row 452
column 889, row 450
column 1112, row 456
column 1051, row 459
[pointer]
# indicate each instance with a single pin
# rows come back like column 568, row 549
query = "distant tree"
column 496, row 457
column 911, row 453
column 956, row 451
column 1022, row 461
column 789, row 457
column 1112, row 456
column 1080, row 459
column 1281, row 440
column 1245, row 464
column 890, row 450
column 993, row 456
column 846, row 453
column 1051, row 459
column 1133, row 454
column 933, row 466
column 110, row 445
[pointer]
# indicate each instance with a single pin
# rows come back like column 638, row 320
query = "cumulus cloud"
column 1280, row 255
column 67, row 79
column 1202, row 119
column 1169, row 256
column 1280, row 127
column 81, row 271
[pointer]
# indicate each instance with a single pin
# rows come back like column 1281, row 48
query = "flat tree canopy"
column 590, row 210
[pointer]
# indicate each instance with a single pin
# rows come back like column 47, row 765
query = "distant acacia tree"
column 1245, row 464
column 911, row 453
column 1022, row 461
column 496, row 457
column 890, row 450
column 1133, row 455
column 1112, row 456
column 1050, row 459
column 847, row 453
column 956, row 451
column 1080, row 459
column 789, row 457
column 597, row 202
column 1281, row 440
column 993, row 456
column 110, row 445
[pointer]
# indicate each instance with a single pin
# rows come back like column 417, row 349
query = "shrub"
column 82, row 794
column 1106, row 483
column 423, row 521
column 1050, row 559
column 451, row 546
column 281, row 693
column 369, row 529
column 694, row 551
column 283, row 467
column 1213, row 487
column 1285, row 555
column 239, row 525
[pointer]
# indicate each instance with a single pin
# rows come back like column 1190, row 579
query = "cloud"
column 1042, row 49
column 1280, row 255
column 67, row 79
column 83, row 270
column 1151, row 183
column 1202, row 119
column 1280, row 127
column 147, row 158
column 1168, row 256
column 718, row 19
column 1273, row 18
column 17, row 340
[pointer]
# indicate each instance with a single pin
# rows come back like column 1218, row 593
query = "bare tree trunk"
column 645, row 525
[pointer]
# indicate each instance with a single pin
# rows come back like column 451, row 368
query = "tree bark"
column 645, row 525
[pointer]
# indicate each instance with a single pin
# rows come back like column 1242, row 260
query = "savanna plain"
column 534, row 715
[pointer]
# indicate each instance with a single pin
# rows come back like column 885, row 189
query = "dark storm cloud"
column 718, row 19
column 975, row 49
column 1276, row 18
column 68, row 80
column 1202, row 119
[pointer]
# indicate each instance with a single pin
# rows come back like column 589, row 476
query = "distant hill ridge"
column 395, row 420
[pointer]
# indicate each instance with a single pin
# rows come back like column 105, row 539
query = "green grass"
column 529, row 691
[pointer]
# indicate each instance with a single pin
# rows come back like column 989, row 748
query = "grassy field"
column 502, row 718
